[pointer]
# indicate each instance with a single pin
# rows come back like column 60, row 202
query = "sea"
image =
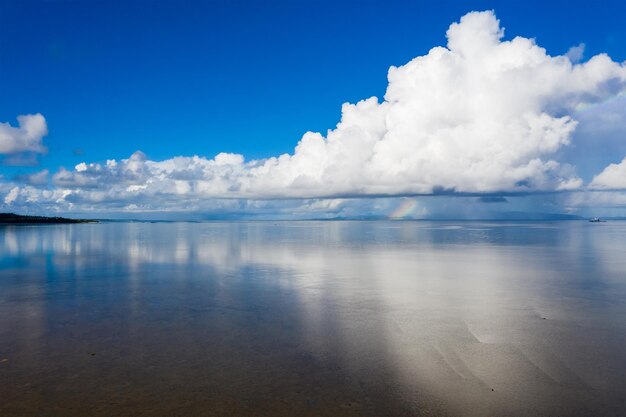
column 313, row 318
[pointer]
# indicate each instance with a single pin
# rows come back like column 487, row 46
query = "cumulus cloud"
column 37, row 178
column 482, row 115
column 611, row 178
column 24, row 138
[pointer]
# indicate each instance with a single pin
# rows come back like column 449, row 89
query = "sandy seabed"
column 313, row 319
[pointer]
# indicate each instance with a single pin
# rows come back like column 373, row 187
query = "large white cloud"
column 481, row 115
column 24, row 138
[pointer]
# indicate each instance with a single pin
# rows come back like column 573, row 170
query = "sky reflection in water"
column 314, row 318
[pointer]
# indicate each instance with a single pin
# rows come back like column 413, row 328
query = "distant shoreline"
column 18, row 219
column 12, row 218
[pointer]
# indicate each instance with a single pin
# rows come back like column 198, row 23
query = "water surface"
column 313, row 318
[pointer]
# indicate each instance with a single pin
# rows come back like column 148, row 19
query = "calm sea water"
column 313, row 318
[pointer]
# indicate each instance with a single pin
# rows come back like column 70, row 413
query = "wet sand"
column 313, row 318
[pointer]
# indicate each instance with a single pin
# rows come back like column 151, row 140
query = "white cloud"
column 611, row 178
column 37, row 178
column 24, row 138
column 481, row 115
column 597, row 202
column 11, row 196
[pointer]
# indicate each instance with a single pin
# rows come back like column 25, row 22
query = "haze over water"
column 313, row 318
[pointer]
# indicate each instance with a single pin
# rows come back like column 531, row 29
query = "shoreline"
column 12, row 218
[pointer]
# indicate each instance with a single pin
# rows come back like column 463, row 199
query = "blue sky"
column 199, row 78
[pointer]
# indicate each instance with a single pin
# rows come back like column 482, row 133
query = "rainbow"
column 404, row 210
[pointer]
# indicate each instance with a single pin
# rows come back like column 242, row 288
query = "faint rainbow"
column 584, row 107
column 404, row 210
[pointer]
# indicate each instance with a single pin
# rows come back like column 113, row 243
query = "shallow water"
column 313, row 318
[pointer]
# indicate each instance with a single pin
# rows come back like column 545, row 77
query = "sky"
column 312, row 109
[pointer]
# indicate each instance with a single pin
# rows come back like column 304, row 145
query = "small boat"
column 596, row 220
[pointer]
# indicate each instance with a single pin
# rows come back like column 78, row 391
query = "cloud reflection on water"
column 428, row 314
